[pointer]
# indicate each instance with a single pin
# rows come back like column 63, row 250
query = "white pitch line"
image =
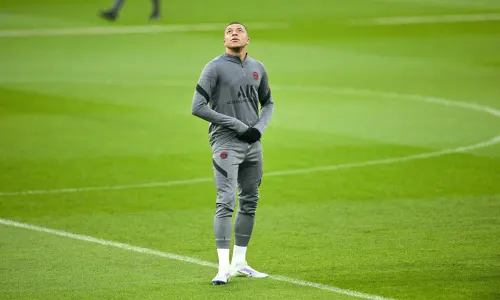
column 186, row 259
column 108, row 188
column 386, row 161
column 437, row 19
column 345, row 91
column 113, row 30
column 484, row 4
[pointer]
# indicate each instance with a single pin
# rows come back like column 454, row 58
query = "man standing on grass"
column 234, row 84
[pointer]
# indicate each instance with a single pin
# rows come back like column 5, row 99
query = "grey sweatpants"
column 237, row 166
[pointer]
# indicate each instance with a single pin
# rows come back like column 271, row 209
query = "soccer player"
column 234, row 84
column 112, row 13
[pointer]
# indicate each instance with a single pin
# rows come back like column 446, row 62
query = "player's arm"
column 201, row 98
column 266, row 103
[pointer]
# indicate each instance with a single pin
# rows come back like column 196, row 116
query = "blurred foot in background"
column 112, row 14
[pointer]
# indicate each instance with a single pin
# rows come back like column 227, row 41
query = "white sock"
column 239, row 255
column 223, row 260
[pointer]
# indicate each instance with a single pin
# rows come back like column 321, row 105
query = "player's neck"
column 238, row 52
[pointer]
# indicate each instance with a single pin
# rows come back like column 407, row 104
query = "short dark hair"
column 232, row 23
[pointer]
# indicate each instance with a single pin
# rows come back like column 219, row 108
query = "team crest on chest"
column 223, row 155
column 255, row 75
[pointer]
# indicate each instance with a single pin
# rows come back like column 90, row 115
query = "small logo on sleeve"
column 255, row 75
column 223, row 155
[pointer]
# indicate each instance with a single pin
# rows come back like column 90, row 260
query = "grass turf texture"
column 78, row 111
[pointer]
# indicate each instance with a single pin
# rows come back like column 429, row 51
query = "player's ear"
column 248, row 41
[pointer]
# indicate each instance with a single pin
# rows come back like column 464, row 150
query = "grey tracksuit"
column 234, row 89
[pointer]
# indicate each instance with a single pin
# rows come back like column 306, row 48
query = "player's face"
column 236, row 36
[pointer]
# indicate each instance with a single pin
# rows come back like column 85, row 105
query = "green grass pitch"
column 382, row 161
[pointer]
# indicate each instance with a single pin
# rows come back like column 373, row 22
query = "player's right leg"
column 225, row 167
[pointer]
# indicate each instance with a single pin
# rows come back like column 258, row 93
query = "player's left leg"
column 249, row 179
column 225, row 159
column 155, row 14
column 113, row 13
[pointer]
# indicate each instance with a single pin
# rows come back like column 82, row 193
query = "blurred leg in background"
column 112, row 14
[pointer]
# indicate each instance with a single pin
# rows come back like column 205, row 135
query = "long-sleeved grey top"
column 228, row 95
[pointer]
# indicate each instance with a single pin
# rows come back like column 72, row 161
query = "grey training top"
column 233, row 89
